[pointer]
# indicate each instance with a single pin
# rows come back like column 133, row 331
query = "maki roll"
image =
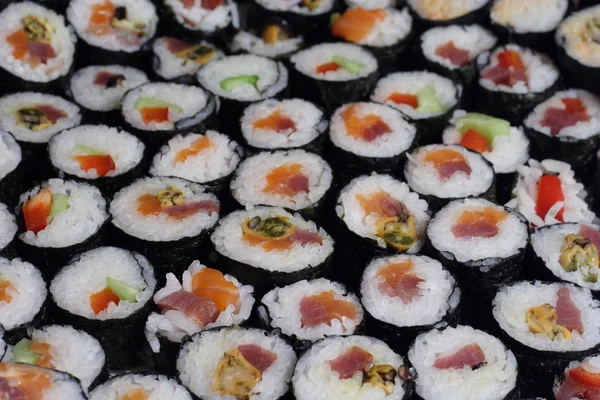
column 430, row 13
column 22, row 381
column 463, row 363
column 8, row 231
column 61, row 348
column 23, row 296
column 513, row 80
column 59, row 219
column 11, row 169
column 106, row 157
column 370, row 137
column 275, row 40
column 269, row 246
column 166, row 219
column 334, row 73
column 178, row 60
column 405, row 295
column 442, row 173
column 566, row 127
column 547, row 193
column 293, row 179
column 209, row 159
column 353, row 367
column 579, row 381
column 200, row 18
column 37, row 47
column 283, row 124
column 138, row 386
column 236, row 363
column 204, row 299
column 307, row 311
column 427, row 99
column 107, row 291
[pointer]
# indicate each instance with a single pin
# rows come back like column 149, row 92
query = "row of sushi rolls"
column 299, row 199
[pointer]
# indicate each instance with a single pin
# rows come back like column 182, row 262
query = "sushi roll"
column 166, row 219
column 113, row 31
column 204, row 299
column 353, row 367
column 11, row 169
column 178, row 60
column 275, row 40
column 405, row 295
column 284, row 124
column 269, row 246
column 308, row 311
column 547, row 326
column 209, row 159
column 430, row 13
column 427, row 99
column 200, row 18
column 107, row 291
column 566, row 127
column 236, row 363
column 463, row 363
column 22, row 381
column 106, row 157
column 547, row 193
column 334, row 73
column 8, row 231
column 61, row 348
column 138, row 386
column 578, row 42
column 37, row 48
column 513, row 80
column 57, row 220
column 370, row 137
column 155, row 112
column 579, row 380
column 294, row 179
column 442, row 173
column 23, row 296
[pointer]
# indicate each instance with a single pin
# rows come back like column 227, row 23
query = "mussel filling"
column 579, row 253
column 398, row 232
column 170, row 197
column 274, row 33
column 37, row 29
column 543, row 319
column 381, row 376
column 33, row 119
column 120, row 21
column 114, row 81
column 593, row 30
column 200, row 54
column 235, row 376
column 272, row 228
column 310, row 4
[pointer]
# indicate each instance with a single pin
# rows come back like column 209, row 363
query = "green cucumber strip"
column 23, row 354
column 149, row 102
column 229, row 84
column 123, row 290
column 429, row 101
column 88, row 151
column 333, row 17
column 60, row 203
column 354, row 67
column 485, row 125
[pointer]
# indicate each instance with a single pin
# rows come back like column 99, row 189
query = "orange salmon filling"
column 30, row 381
column 196, row 148
column 100, row 19
column 5, row 288
column 443, row 156
column 211, row 284
column 267, row 244
column 43, row 350
column 336, row 309
column 379, row 202
column 287, row 180
column 367, row 128
column 135, row 394
column 155, row 114
column 356, row 23
column 276, row 122
column 489, row 214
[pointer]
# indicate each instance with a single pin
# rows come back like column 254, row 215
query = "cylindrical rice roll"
column 210, row 20
column 405, row 295
column 30, row 381
column 463, row 363
column 11, row 169
column 447, row 12
column 219, row 300
column 578, row 379
column 308, row 311
column 107, row 291
column 268, row 246
column 166, row 219
column 59, row 219
column 151, row 386
column 8, row 231
column 274, row 39
column 236, row 363
column 106, row 157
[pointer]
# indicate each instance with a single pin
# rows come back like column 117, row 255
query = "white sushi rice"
column 581, row 130
column 314, row 378
column 191, row 99
column 511, row 239
column 29, row 294
column 438, row 295
column 8, row 226
column 250, row 43
column 391, row 144
column 296, row 6
column 424, row 178
column 228, row 241
column 62, row 41
column 125, row 149
column 444, row 10
column 159, row 228
column 306, row 61
column 155, row 386
column 84, row 217
column 525, row 194
column 199, row 358
column 98, row 97
column 272, row 77
column 2, row 343
column 309, row 123
column 530, row 15
column 215, row 162
column 492, row 381
column 169, row 66
column 10, row 104
column 175, row 325
column 250, row 179
column 507, row 153
column 512, row 302
column 10, row 154
column 197, row 18
column 371, row 4
column 79, row 14
column 390, row 30
column 573, row 35
column 472, row 38
column 351, row 212
column 410, row 83
column 283, row 304
column 541, row 72
column 72, row 287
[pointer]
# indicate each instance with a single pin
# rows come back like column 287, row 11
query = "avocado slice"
column 88, row 151
column 22, row 353
column 60, row 203
column 354, row 67
column 485, row 125
column 149, row 102
column 429, row 101
column 230, row 84
column 123, row 290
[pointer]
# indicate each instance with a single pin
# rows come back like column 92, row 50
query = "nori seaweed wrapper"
column 87, row 55
column 12, row 83
column 35, row 163
column 505, row 183
column 430, row 130
column 11, row 186
column 437, row 203
column 165, row 361
column 577, row 74
column 474, row 17
column 256, row 29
